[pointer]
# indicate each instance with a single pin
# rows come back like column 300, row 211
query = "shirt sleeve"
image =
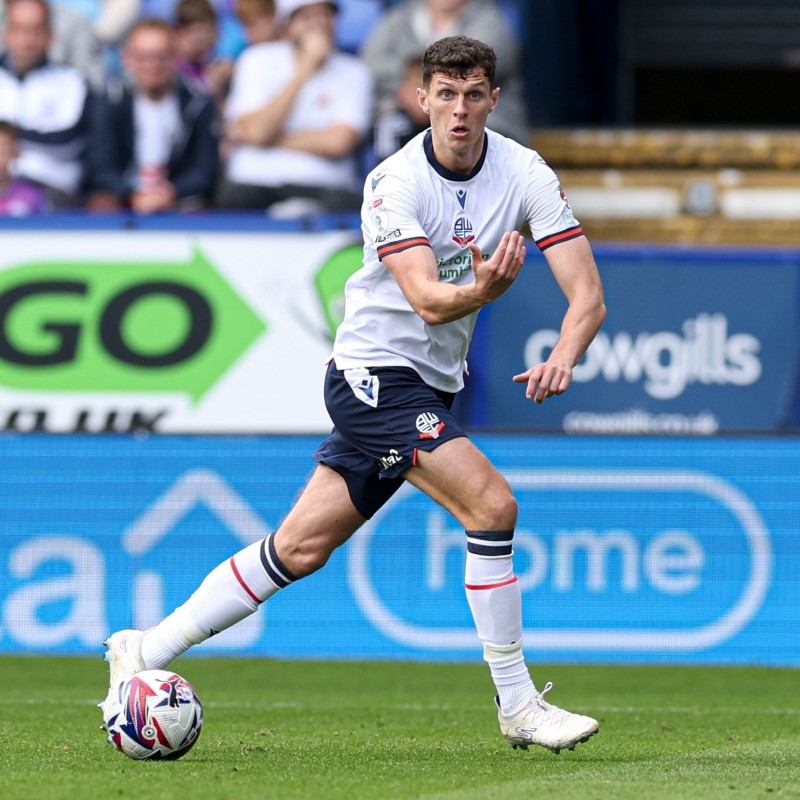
column 390, row 215
column 548, row 211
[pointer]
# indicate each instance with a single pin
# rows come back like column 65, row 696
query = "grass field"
column 385, row 730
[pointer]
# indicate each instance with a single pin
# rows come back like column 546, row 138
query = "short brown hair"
column 248, row 10
column 149, row 24
column 190, row 12
column 458, row 56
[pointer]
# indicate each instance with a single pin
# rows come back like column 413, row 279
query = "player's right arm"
column 417, row 274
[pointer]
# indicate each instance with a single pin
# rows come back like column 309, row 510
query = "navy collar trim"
column 449, row 174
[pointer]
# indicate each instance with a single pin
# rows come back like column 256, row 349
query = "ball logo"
column 429, row 425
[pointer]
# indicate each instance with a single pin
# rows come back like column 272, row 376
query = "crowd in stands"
column 184, row 105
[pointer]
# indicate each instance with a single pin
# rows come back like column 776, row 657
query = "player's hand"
column 494, row 276
column 544, row 380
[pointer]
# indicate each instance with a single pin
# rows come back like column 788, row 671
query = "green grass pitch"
column 406, row 730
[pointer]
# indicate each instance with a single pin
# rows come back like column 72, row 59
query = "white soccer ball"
column 155, row 715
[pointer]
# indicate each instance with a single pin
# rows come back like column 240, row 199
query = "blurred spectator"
column 154, row 145
column 73, row 42
column 196, row 33
column 297, row 114
column 396, row 126
column 48, row 103
column 258, row 19
column 410, row 26
column 110, row 19
column 230, row 40
column 18, row 197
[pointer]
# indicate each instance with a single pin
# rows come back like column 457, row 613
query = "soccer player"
column 440, row 221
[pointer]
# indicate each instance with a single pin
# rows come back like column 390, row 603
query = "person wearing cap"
column 296, row 116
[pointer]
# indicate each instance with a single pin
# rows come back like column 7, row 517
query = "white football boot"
column 538, row 722
column 124, row 656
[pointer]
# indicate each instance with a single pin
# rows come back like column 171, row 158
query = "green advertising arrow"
column 330, row 280
column 129, row 326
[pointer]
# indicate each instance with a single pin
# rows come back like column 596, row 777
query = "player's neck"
column 462, row 161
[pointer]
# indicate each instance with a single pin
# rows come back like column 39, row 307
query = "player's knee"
column 304, row 557
column 497, row 510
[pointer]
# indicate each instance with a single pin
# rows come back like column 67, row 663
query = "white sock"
column 230, row 592
column 495, row 601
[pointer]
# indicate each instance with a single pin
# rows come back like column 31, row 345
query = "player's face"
column 458, row 108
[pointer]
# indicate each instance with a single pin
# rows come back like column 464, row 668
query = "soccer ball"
column 155, row 715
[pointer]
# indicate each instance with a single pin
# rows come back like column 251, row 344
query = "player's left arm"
column 573, row 266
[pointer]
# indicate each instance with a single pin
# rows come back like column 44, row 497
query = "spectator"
column 73, row 42
column 398, row 125
column 258, row 20
column 410, row 26
column 297, row 114
column 49, row 104
column 154, row 144
column 18, row 197
column 230, row 41
column 196, row 32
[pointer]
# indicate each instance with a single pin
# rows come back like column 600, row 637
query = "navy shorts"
column 382, row 416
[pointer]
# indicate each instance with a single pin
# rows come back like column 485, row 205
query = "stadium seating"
column 675, row 185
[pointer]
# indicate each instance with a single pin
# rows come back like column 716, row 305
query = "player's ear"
column 495, row 97
column 422, row 99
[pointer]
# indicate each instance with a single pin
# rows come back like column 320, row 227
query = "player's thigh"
column 463, row 480
column 322, row 519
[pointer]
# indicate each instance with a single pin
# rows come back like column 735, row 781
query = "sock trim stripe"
column 490, row 550
column 479, row 586
column 243, row 584
column 491, row 536
column 273, row 566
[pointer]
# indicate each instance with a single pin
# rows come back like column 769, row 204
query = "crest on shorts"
column 429, row 425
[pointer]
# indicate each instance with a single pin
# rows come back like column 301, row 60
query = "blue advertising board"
column 628, row 549
column 696, row 342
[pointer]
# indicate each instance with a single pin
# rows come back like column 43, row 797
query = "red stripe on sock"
column 244, row 585
column 490, row 585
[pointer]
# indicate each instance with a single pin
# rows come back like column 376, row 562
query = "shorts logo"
column 365, row 386
column 429, row 425
column 390, row 460
column 462, row 231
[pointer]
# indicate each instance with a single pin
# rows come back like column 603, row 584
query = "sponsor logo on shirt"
column 387, row 237
column 378, row 215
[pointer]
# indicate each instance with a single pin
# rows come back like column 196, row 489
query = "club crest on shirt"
column 462, row 232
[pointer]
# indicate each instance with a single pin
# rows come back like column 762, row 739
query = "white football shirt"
column 410, row 200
